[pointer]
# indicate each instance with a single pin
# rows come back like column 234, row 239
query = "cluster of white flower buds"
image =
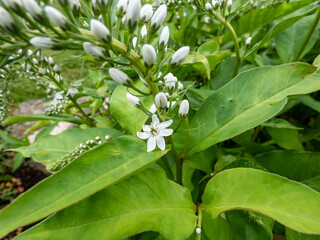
column 78, row 151
column 4, row 98
column 58, row 103
column 266, row 4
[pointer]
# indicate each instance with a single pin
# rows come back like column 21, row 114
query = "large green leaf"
column 50, row 148
column 147, row 201
column 128, row 116
column 88, row 174
column 248, row 100
column 262, row 16
column 288, row 139
column 293, row 235
column 290, row 203
column 294, row 165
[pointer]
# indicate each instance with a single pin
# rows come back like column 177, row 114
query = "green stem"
column 307, row 38
column 186, row 145
column 139, row 91
column 199, row 222
column 177, row 161
column 234, row 38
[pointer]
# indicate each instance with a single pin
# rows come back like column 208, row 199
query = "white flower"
column 6, row 21
column 56, row 68
column 74, row 5
column 119, row 77
column 179, row 56
column 42, row 42
column 164, row 37
column 122, row 6
column 149, row 55
column 35, row 61
column 134, row 100
column 184, row 109
column 229, row 4
column 133, row 13
column 158, row 17
column 72, row 91
column 94, row 5
column 198, row 230
column 155, row 133
column 50, row 61
column 248, row 41
column 215, row 3
column 55, row 16
column 13, row 4
column 100, row 31
column 161, row 100
column 134, row 42
column 180, row 86
column 170, row 81
column 207, row 19
column 208, row 6
column 144, row 32
column 93, row 50
column 146, row 12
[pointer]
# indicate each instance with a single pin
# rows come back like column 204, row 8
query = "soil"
column 26, row 176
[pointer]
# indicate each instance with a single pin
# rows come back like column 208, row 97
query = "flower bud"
column 229, row 4
column 146, row 12
column 100, row 31
column 158, row 17
column 180, row 86
column 50, row 61
column 248, row 41
column 161, row 100
column 122, row 7
column 208, row 6
column 164, row 37
column 6, row 21
column 198, row 230
column 74, row 5
column 120, row 77
column 56, row 17
column 133, row 13
column 94, row 5
column 170, row 81
column 104, row 3
column 33, row 8
column 149, row 55
column 34, row 61
column 215, row 4
column 179, row 56
column 93, row 50
column 134, row 42
column 134, row 100
column 56, row 68
column 184, row 109
column 14, row 5
column 42, row 42
column 144, row 32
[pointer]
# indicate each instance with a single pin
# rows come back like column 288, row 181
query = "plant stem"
column 186, row 145
column 307, row 38
column 199, row 222
column 177, row 161
column 234, row 38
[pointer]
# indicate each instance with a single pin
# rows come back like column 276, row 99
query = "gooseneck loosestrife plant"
column 181, row 113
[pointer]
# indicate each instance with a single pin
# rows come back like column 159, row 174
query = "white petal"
column 161, row 143
column 143, row 135
column 155, row 119
column 151, row 144
column 165, row 124
column 153, row 108
column 165, row 132
column 146, row 128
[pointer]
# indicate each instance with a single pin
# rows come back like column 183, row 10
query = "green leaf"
column 129, row 117
column 290, row 203
column 197, row 62
column 51, row 148
column 147, row 201
column 314, row 183
column 248, row 225
column 248, row 100
column 310, row 102
column 286, row 138
column 293, row 235
column 88, row 174
column 39, row 117
column 277, row 29
column 280, row 123
column 208, row 48
column 262, row 16
column 297, row 166
column 217, row 229
column 288, row 42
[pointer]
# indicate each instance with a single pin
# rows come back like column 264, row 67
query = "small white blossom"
column 149, row 55
column 50, row 61
column 179, row 56
column 155, row 133
column 134, row 42
column 119, row 77
column 134, row 100
column 248, row 41
column 198, row 230
column 180, row 86
column 122, row 6
column 6, row 21
column 93, row 50
column 55, row 16
column 170, row 81
column 208, row 6
column 42, row 42
column 164, row 37
column 184, row 109
column 13, row 4
column 158, row 17
column 56, row 68
column 161, row 100
column 133, row 13
column 100, row 31
column 74, row 5
column 144, row 32
column 146, row 12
